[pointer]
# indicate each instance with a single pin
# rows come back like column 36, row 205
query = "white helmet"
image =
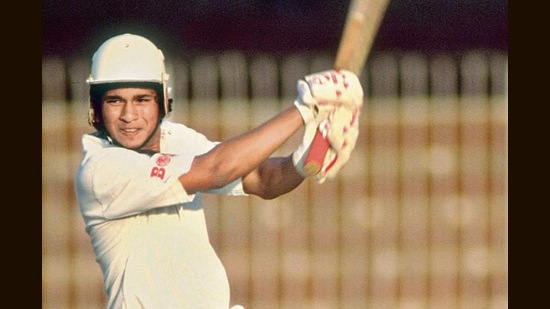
column 128, row 58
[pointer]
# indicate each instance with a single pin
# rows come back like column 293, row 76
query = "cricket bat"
column 362, row 22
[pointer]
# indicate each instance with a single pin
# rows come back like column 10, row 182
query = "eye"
column 146, row 99
column 113, row 101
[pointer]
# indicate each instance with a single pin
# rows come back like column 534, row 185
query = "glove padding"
column 321, row 92
column 341, row 129
column 332, row 101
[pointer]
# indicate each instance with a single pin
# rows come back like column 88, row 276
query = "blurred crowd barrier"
column 418, row 218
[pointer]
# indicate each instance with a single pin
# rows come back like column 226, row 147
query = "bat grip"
column 316, row 155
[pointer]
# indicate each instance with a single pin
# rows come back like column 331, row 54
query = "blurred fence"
column 416, row 219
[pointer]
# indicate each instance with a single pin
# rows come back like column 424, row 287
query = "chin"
column 129, row 144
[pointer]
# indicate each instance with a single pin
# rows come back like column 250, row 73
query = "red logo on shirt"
column 158, row 172
column 163, row 160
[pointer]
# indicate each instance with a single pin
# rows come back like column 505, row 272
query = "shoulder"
column 178, row 138
column 171, row 128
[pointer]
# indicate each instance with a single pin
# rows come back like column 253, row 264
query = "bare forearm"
column 257, row 145
column 241, row 155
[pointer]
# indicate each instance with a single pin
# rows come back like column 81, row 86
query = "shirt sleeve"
column 234, row 188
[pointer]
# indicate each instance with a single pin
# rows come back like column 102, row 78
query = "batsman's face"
column 131, row 116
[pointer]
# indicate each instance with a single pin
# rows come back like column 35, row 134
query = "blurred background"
column 418, row 218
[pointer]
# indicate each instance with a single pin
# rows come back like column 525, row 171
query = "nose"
column 129, row 112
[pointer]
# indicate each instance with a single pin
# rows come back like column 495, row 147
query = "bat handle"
column 316, row 155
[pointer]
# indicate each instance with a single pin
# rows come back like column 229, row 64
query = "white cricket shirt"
column 149, row 236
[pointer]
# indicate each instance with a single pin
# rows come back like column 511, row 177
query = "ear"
column 93, row 117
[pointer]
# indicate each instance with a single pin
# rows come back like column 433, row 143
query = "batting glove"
column 332, row 101
column 320, row 93
column 342, row 130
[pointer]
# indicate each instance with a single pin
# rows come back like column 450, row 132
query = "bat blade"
column 362, row 23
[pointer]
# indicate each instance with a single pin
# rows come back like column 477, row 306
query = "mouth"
column 129, row 131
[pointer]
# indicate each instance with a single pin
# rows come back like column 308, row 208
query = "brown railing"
column 417, row 218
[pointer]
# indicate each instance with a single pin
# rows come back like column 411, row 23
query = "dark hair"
column 98, row 90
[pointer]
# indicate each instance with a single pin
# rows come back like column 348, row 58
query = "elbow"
column 220, row 178
column 265, row 192
column 260, row 191
column 209, row 172
column 266, row 195
column 223, row 174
